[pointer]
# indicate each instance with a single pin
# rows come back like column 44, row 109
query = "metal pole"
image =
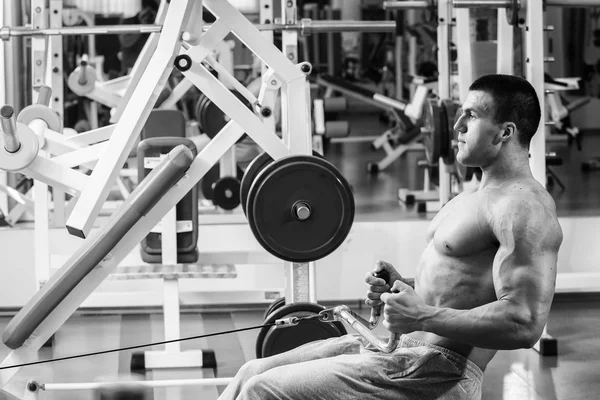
column 482, row 3
column 395, row 5
column 310, row 26
column 134, row 384
column 9, row 127
column 573, row 3
column 305, row 26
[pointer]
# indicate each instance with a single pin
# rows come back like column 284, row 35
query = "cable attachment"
column 293, row 321
column 286, row 322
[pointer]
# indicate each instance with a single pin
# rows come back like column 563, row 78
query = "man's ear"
column 509, row 129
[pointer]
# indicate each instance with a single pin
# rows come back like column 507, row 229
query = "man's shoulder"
column 526, row 208
column 521, row 196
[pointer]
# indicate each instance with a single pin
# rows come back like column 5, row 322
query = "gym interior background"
column 384, row 89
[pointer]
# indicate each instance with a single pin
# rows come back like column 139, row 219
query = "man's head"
column 499, row 109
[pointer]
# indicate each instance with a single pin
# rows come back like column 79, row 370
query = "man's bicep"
column 525, row 264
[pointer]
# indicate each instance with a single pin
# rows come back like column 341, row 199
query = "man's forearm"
column 496, row 325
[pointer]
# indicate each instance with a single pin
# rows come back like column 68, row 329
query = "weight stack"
column 150, row 152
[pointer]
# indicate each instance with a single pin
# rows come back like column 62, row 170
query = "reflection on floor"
column 512, row 375
column 376, row 195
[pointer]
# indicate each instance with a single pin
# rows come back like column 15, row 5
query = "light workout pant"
column 348, row 368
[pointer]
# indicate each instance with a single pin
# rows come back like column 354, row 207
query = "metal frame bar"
column 534, row 70
column 136, row 109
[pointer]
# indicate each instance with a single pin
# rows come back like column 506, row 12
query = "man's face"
column 476, row 130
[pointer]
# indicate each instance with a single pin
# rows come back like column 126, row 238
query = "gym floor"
column 512, row 375
column 519, row 374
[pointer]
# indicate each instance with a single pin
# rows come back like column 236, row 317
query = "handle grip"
column 383, row 275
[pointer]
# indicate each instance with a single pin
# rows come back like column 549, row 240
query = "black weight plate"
column 449, row 152
column 282, row 184
column 442, row 134
column 431, row 128
column 212, row 119
column 434, row 175
column 276, row 305
column 252, row 170
column 226, row 193
column 211, row 177
column 272, row 340
column 208, row 180
column 198, row 109
column 512, row 13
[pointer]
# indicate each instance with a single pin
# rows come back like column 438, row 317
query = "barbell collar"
column 301, row 211
column 9, row 127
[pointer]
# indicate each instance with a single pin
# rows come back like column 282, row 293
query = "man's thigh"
column 415, row 373
column 347, row 376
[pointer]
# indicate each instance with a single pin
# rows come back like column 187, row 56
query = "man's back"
column 457, row 270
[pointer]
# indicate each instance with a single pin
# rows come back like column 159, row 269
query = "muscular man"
column 485, row 281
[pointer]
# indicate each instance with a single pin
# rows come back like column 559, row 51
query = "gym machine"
column 313, row 193
column 405, row 117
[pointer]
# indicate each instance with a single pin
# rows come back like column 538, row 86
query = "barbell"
column 306, row 26
column 512, row 6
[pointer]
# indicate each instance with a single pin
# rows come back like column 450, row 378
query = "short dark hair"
column 515, row 100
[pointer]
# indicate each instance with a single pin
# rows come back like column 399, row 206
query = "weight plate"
column 198, row 109
column 252, row 170
column 226, row 193
column 211, row 177
column 272, row 340
column 212, row 119
column 512, row 13
column 431, row 129
column 300, row 208
column 276, row 305
column 443, row 135
column 434, row 175
column 449, row 151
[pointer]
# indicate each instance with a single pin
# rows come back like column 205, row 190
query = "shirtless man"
column 485, row 281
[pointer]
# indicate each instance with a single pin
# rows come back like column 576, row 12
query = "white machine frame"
column 109, row 156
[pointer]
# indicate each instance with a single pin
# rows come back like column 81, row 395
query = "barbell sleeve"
column 306, row 26
column 482, row 3
column 7, row 32
column 9, row 129
column 405, row 5
column 82, row 73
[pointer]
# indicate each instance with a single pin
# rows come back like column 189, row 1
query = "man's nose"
column 460, row 126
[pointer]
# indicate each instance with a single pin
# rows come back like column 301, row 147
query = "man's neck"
column 503, row 169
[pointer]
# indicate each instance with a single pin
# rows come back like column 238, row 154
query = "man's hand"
column 377, row 286
column 404, row 309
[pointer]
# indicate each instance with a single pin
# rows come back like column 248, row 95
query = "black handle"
column 383, row 275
